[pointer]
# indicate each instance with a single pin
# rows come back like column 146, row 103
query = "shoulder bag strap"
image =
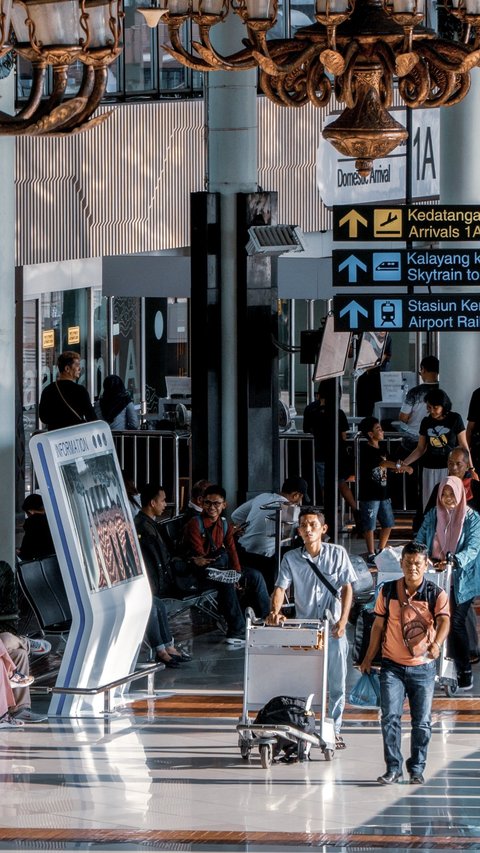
column 68, row 404
column 321, row 578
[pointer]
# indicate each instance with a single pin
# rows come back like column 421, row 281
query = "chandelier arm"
column 451, row 88
column 414, row 88
column 187, row 59
column 43, row 107
column 177, row 50
column 240, row 61
column 40, row 124
column 344, row 88
column 451, row 58
column 267, row 63
column 319, row 86
column 81, row 128
column 385, row 53
column 92, row 90
column 36, row 92
column 290, row 89
column 268, row 87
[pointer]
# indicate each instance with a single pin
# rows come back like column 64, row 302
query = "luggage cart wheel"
column 245, row 749
column 451, row 689
column 303, row 751
column 329, row 754
column 266, row 755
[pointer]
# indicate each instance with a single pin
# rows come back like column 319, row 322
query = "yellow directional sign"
column 353, row 219
column 410, row 222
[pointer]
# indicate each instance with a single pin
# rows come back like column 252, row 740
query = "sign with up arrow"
column 446, row 312
column 406, row 267
column 411, row 222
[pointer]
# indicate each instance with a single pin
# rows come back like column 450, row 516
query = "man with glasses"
column 208, row 541
column 322, row 576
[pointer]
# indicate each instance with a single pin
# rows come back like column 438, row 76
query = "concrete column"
column 7, row 337
column 231, row 130
column 460, row 184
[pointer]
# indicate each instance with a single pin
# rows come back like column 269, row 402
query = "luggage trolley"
column 446, row 676
column 290, row 659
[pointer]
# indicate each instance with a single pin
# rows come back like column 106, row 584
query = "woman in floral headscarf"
column 454, row 528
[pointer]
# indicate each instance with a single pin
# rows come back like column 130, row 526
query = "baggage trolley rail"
column 289, row 659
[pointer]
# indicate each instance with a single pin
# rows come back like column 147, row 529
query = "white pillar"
column 231, row 119
column 7, row 333
column 460, row 184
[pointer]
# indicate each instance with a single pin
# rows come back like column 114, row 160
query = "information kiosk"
column 99, row 556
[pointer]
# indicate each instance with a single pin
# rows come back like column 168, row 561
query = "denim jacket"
column 466, row 574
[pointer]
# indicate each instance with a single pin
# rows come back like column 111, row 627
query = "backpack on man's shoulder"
column 366, row 618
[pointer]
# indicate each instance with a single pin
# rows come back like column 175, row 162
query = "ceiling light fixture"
column 57, row 33
column 358, row 49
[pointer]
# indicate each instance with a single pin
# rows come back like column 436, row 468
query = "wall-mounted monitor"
column 333, row 352
column 370, row 351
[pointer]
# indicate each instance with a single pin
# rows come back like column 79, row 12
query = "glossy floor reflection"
column 165, row 773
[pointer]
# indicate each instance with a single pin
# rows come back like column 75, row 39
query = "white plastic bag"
column 388, row 560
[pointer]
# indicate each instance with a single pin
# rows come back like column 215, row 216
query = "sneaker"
column 235, row 641
column 371, row 559
column 18, row 679
column 39, row 647
column 9, row 722
column 464, row 681
column 26, row 715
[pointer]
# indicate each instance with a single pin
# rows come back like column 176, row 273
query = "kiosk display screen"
column 333, row 352
column 95, row 496
column 370, row 350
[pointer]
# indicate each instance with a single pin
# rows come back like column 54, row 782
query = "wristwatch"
column 398, row 465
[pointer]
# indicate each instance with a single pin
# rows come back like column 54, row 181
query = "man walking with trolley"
column 322, row 575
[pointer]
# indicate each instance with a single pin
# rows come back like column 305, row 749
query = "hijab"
column 115, row 398
column 449, row 522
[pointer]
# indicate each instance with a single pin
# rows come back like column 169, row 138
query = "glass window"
column 64, row 327
column 138, row 55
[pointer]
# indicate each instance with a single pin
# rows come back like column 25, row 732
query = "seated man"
column 255, row 547
column 208, row 539
column 322, row 576
column 155, row 556
column 37, row 540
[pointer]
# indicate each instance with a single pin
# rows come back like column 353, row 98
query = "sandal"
column 339, row 742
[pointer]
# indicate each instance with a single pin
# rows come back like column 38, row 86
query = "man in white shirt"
column 414, row 408
column 314, row 596
column 256, row 544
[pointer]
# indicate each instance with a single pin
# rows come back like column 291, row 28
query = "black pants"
column 458, row 642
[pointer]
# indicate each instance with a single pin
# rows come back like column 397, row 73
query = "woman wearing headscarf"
column 116, row 406
column 452, row 527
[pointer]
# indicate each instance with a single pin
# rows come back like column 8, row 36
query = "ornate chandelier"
column 55, row 34
column 357, row 50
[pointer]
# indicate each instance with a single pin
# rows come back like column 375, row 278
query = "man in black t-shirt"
column 374, row 501
column 65, row 403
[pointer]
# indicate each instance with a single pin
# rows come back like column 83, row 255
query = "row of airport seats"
column 42, row 585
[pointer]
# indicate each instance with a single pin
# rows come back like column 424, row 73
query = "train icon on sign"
column 387, row 266
column 387, row 313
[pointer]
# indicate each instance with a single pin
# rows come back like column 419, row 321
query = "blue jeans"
column 336, row 677
column 158, row 632
column 416, row 682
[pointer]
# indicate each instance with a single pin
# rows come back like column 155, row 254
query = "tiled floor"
column 166, row 774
